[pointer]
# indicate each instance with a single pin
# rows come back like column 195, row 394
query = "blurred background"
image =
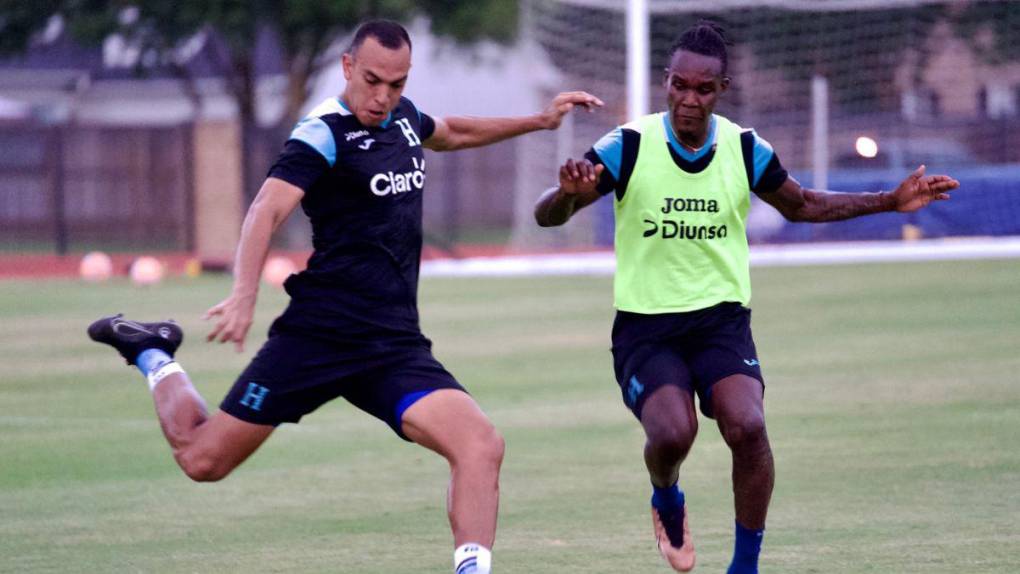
column 148, row 126
column 142, row 129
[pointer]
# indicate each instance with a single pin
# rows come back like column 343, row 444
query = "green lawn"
column 893, row 407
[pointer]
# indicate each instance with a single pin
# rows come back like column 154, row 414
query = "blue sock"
column 151, row 359
column 746, row 550
column 666, row 500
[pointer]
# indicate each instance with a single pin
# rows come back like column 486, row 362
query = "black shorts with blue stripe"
column 692, row 350
column 294, row 374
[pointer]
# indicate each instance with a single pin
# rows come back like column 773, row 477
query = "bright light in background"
column 866, row 147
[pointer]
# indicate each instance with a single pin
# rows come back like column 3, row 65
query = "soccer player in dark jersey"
column 682, row 181
column 356, row 165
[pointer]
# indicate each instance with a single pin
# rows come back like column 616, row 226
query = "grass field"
column 893, row 408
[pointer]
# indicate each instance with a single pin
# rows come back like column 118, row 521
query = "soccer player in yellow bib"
column 682, row 181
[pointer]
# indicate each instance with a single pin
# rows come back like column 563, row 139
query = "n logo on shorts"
column 254, row 396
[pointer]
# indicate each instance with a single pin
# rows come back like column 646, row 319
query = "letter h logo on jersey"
column 254, row 396
column 412, row 138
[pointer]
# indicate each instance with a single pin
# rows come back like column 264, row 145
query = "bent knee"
column 201, row 468
column 671, row 439
column 490, row 446
column 484, row 446
column 746, row 431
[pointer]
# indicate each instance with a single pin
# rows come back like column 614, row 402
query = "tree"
column 304, row 30
column 858, row 50
column 20, row 21
column 990, row 28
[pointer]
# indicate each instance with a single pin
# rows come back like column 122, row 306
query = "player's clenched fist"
column 579, row 176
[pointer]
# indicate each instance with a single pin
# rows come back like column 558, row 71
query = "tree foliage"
column 859, row 51
column 20, row 21
column 304, row 30
column 1001, row 21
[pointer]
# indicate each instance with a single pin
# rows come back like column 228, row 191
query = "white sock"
column 155, row 377
column 472, row 558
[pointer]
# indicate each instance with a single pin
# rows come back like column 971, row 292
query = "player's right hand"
column 579, row 177
column 236, row 314
column 561, row 105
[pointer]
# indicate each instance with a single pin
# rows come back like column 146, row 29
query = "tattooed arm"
column 916, row 191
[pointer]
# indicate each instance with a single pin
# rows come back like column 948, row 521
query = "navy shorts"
column 692, row 350
column 292, row 375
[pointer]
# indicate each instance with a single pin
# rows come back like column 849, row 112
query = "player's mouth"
column 377, row 115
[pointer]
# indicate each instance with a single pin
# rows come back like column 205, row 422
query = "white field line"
column 604, row 263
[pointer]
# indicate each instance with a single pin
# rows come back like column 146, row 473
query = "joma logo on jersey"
column 690, row 204
column 383, row 184
column 355, row 135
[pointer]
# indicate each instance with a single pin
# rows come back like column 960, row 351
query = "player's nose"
column 382, row 97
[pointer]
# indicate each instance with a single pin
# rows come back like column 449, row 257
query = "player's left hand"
column 561, row 105
column 580, row 177
column 918, row 190
column 234, row 316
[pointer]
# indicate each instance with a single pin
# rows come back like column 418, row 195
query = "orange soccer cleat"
column 682, row 558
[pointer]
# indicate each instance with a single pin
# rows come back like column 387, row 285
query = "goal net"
column 929, row 81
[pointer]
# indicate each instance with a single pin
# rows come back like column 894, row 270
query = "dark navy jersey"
column 618, row 150
column 363, row 194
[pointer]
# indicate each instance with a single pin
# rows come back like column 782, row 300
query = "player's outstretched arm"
column 577, row 189
column 459, row 132
column 916, row 191
column 273, row 204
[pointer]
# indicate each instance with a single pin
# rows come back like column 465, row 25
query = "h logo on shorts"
column 634, row 390
column 254, row 396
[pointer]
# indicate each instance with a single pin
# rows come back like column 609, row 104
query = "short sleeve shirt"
column 363, row 195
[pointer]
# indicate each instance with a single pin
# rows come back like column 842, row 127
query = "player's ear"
column 724, row 84
column 665, row 77
column 347, row 63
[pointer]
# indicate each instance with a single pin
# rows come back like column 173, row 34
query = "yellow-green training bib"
column 681, row 241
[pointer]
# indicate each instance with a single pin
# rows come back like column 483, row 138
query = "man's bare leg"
column 740, row 412
column 206, row 449
column 450, row 423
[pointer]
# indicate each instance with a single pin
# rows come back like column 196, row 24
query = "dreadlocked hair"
column 706, row 38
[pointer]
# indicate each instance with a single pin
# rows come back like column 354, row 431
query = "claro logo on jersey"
column 383, row 184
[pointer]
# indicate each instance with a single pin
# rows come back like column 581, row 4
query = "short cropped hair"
column 706, row 38
column 388, row 33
